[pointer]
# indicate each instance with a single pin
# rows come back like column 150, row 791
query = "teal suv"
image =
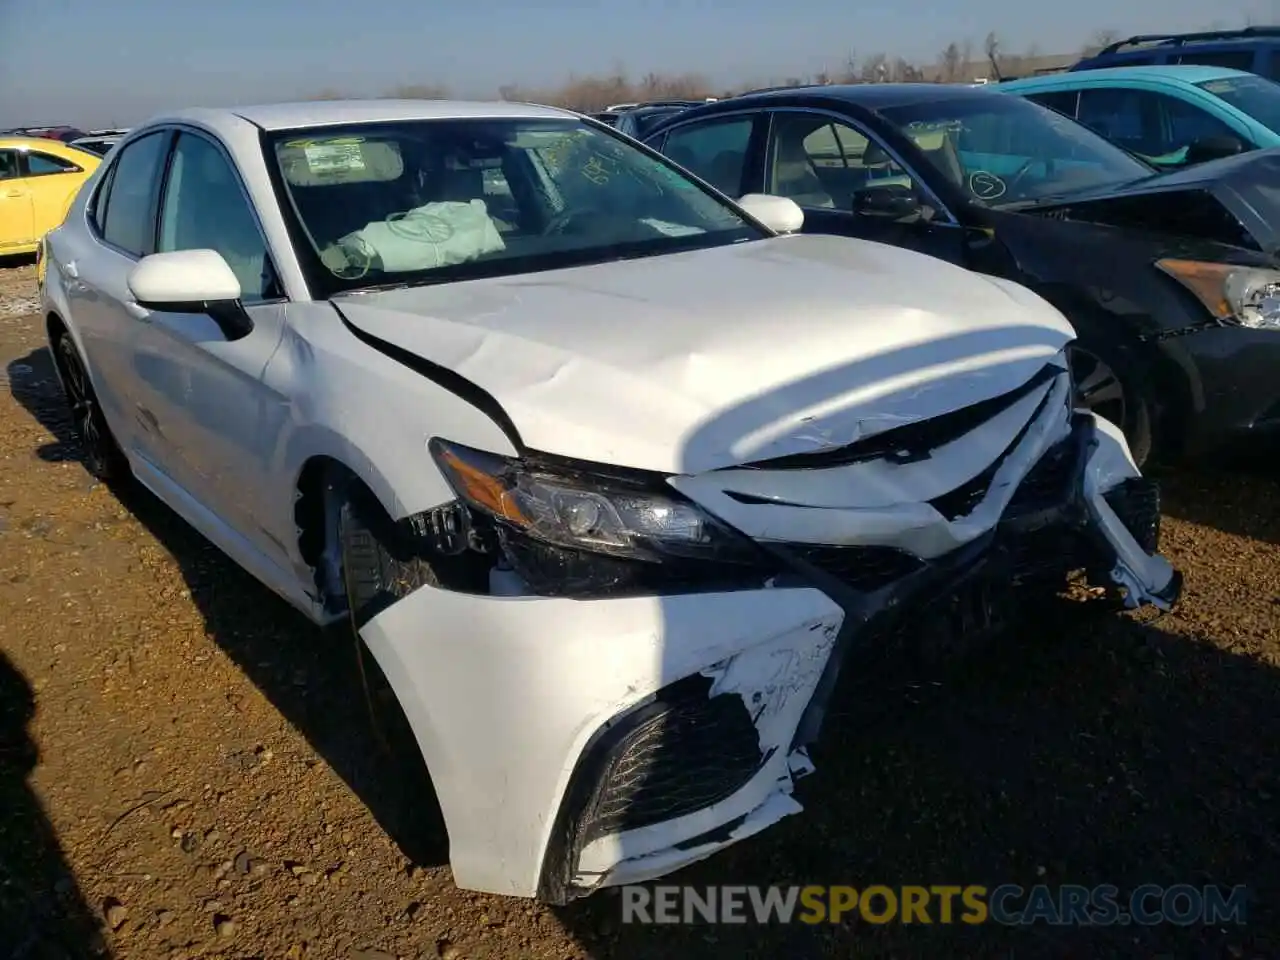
column 1170, row 116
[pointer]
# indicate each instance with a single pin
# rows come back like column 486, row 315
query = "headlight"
column 587, row 527
column 1241, row 296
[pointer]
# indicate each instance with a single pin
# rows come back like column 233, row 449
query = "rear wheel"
column 102, row 455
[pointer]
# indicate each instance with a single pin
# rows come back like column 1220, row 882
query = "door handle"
column 71, row 270
column 14, row 193
column 137, row 311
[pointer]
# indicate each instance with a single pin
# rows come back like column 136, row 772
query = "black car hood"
column 1235, row 201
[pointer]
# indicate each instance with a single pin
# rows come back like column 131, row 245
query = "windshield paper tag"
column 334, row 157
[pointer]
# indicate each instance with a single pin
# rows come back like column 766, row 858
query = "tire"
column 99, row 450
column 378, row 568
column 1111, row 383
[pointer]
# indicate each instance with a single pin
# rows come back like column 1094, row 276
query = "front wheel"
column 1109, row 384
column 378, row 568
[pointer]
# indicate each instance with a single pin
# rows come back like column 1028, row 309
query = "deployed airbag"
column 434, row 235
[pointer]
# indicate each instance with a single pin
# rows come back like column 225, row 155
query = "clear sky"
column 106, row 62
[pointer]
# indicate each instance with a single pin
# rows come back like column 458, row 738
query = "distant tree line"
column 956, row 63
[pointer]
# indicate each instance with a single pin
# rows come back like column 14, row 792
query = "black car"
column 639, row 120
column 1171, row 280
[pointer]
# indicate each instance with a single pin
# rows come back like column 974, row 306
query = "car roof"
column 873, row 96
column 35, row 143
column 326, row 113
column 867, row 96
column 1174, row 73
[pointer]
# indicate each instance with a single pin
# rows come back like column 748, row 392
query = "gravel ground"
column 185, row 768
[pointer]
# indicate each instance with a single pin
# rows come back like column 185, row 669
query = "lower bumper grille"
column 863, row 568
column 677, row 755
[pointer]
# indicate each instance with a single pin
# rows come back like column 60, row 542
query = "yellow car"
column 38, row 179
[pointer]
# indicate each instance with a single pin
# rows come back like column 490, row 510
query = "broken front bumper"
column 582, row 743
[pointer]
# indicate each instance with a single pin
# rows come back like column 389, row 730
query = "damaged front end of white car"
column 657, row 650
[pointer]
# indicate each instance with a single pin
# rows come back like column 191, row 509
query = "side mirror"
column 1214, row 148
column 779, row 214
column 890, row 202
column 191, row 281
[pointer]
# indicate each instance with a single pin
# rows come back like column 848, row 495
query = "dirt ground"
column 186, row 770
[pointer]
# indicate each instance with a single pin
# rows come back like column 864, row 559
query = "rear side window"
column 715, row 150
column 128, row 219
column 39, row 164
column 1064, row 101
column 1229, row 59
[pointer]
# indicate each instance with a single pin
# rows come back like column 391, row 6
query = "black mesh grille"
column 863, row 568
column 1048, row 554
column 1046, row 483
column 684, row 752
column 1136, row 502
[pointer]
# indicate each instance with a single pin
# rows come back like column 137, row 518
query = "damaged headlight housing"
column 1239, row 296
column 566, row 531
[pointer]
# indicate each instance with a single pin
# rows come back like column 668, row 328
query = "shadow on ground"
column 312, row 677
column 1206, row 496
column 1086, row 752
column 42, row 913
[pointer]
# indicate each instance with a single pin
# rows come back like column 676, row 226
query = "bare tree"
column 850, row 74
column 906, row 72
column 511, row 91
column 949, row 60
column 1100, row 39
column 992, row 48
column 418, row 91
column 876, row 69
column 328, row 94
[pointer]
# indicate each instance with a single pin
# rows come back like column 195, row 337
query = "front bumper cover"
column 576, row 744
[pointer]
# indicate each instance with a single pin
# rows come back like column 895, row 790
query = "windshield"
column 435, row 200
column 1256, row 96
column 1000, row 148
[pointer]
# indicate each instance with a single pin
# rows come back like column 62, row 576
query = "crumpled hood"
column 701, row 360
column 1246, row 185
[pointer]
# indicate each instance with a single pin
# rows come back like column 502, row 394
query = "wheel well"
column 313, row 520
column 1167, row 384
column 53, row 326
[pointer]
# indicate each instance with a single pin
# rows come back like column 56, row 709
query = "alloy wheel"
column 1098, row 387
column 86, row 416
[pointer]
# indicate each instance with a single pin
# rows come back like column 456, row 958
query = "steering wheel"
column 1023, row 170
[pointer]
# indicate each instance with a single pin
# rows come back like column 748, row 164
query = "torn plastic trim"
column 774, row 678
column 914, row 441
column 1146, row 577
column 851, row 505
column 650, row 866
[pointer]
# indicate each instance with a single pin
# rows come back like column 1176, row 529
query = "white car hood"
column 702, row 360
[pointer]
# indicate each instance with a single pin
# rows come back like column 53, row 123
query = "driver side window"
column 204, row 208
column 822, row 163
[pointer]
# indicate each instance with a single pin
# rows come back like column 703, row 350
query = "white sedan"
column 609, row 475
